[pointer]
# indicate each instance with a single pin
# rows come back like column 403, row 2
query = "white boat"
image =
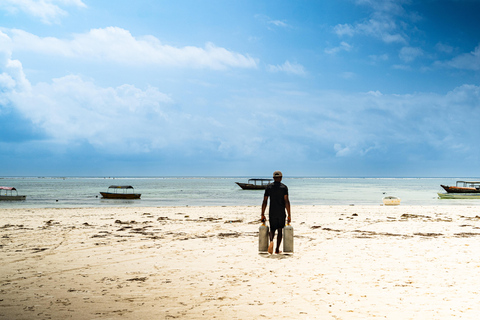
column 459, row 195
column 8, row 194
column 391, row 201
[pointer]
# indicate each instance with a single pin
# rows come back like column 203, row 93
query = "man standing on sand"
column 278, row 193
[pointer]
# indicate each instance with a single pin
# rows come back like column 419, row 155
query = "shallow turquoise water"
column 216, row 191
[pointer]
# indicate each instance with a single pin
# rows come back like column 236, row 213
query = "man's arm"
column 264, row 206
column 287, row 206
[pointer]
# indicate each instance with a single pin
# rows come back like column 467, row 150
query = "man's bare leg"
column 279, row 240
column 270, row 246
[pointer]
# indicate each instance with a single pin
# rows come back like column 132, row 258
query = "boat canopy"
column 121, row 187
column 260, row 181
column 8, row 188
column 468, row 183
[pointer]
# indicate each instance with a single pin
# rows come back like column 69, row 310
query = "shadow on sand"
column 276, row 256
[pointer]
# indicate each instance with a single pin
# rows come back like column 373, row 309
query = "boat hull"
column 250, row 186
column 459, row 195
column 453, row 189
column 12, row 198
column 110, row 195
column 391, row 201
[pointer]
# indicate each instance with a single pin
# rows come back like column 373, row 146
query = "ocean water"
column 68, row 192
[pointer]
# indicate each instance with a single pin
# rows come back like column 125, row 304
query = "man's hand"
column 262, row 218
column 289, row 219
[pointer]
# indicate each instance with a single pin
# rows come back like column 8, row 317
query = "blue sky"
column 227, row 88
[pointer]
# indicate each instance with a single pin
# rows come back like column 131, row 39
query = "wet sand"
column 350, row 262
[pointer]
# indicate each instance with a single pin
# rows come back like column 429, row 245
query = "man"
column 278, row 193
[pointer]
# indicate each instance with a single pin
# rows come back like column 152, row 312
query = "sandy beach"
column 350, row 262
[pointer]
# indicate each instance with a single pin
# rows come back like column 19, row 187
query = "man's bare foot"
column 270, row 247
column 278, row 251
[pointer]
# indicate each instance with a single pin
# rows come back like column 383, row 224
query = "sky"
column 344, row 88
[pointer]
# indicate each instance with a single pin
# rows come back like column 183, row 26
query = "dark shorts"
column 276, row 223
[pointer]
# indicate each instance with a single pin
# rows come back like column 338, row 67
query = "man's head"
column 277, row 176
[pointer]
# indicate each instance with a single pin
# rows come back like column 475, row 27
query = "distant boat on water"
column 463, row 187
column 6, row 193
column 255, row 184
column 112, row 193
column 459, row 195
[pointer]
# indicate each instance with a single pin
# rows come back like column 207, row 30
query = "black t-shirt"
column 277, row 191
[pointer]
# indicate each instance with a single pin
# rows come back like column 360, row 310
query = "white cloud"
column 378, row 58
column 341, row 151
column 6, row 81
column 269, row 21
column 361, row 124
column 12, row 79
column 71, row 109
column 442, row 47
column 291, row 68
column 408, row 54
column 342, row 47
column 279, row 23
column 48, row 11
column 118, row 45
column 115, row 120
column 385, row 6
column 384, row 29
column 344, row 30
column 129, row 120
column 468, row 61
column 401, row 67
column 375, row 93
column 381, row 24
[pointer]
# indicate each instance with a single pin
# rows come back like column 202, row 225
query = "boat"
column 459, row 195
column 255, row 184
column 391, row 201
column 463, row 187
column 125, row 194
column 8, row 194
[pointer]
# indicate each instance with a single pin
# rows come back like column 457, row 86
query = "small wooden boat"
column 8, row 194
column 459, row 195
column 125, row 194
column 391, row 201
column 255, row 184
column 463, row 187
